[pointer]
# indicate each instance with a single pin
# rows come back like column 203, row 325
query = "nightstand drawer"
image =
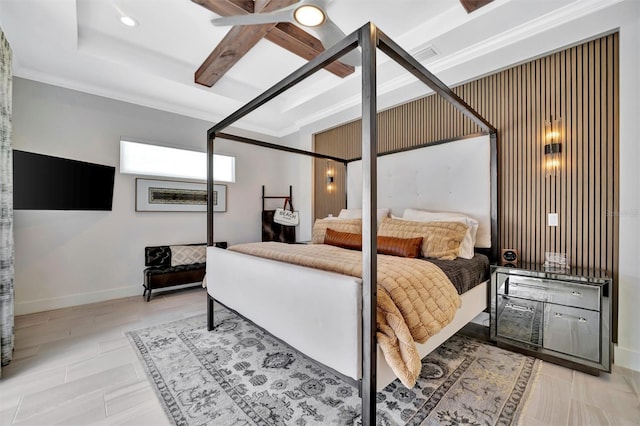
column 558, row 292
column 520, row 319
column 572, row 331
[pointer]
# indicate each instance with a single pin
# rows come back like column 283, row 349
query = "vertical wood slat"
column 614, row 120
column 578, row 85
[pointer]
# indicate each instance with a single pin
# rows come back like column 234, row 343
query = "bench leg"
column 209, row 312
column 147, row 287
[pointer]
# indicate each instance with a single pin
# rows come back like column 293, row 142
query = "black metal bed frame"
column 369, row 38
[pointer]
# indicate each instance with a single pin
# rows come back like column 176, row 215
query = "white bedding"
column 291, row 302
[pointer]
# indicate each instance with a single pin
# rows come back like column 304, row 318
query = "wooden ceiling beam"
column 303, row 44
column 240, row 39
column 228, row 7
column 471, row 5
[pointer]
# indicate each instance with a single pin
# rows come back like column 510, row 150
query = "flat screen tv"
column 42, row 182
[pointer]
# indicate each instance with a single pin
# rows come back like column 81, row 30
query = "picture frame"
column 157, row 195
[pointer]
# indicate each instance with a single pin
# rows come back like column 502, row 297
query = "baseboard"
column 626, row 358
column 40, row 305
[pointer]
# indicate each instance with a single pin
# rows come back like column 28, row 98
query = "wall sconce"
column 329, row 178
column 553, row 147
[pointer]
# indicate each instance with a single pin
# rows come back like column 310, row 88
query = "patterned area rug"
column 240, row 375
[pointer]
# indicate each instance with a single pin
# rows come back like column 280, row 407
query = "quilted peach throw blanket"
column 415, row 298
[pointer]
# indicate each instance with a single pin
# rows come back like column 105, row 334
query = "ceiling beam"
column 240, row 39
column 471, row 5
column 303, row 44
column 230, row 7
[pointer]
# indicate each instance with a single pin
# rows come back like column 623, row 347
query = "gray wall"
column 66, row 258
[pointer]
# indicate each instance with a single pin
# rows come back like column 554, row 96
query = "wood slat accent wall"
column 580, row 85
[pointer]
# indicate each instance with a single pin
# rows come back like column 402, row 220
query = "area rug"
column 238, row 374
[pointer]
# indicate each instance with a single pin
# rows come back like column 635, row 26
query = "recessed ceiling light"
column 309, row 15
column 128, row 21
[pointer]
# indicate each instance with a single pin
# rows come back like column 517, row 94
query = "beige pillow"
column 467, row 249
column 187, row 255
column 440, row 240
column 353, row 226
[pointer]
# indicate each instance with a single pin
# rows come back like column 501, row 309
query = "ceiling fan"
column 310, row 14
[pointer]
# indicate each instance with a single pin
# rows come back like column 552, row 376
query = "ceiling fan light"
column 309, row 15
column 128, row 21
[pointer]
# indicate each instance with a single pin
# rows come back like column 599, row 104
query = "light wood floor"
column 74, row 366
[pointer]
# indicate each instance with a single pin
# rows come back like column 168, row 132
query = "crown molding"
column 571, row 12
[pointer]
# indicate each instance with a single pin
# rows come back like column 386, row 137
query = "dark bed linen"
column 465, row 274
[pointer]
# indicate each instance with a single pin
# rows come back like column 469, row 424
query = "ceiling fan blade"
column 282, row 15
column 329, row 34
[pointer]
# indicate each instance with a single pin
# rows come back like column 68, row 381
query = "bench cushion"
column 155, row 270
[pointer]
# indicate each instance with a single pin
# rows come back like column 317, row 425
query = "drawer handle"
column 548, row 289
column 540, row 287
column 518, row 307
column 569, row 317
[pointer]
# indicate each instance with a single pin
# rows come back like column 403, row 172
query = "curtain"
column 6, row 206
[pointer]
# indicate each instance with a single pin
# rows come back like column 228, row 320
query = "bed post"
column 495, row 243
column 368, row 42
column 210, row 138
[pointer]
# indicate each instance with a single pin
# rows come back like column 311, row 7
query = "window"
column 144, row 159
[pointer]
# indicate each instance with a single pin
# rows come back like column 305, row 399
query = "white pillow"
column 357, row 214
column 469, row 241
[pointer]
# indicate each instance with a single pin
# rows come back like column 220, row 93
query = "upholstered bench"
column 168, row 266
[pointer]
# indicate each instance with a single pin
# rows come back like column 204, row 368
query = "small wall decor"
column 154, row 195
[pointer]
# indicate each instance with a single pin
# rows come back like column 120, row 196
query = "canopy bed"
column 344, row 318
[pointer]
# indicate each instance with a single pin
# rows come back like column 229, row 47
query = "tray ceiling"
column 82, row 45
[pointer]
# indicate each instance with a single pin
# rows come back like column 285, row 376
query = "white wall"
column 625, row 17
column 627, row 353
column 66, row 258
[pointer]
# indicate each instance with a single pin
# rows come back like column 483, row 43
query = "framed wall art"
column 155, row 195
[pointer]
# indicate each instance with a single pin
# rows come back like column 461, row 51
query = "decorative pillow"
column 440, row 240
column 343, row 225
column 159, row 256
column 357, row 214
column 187, row 255
column 343, row 239
column 468, row 243
column 402, row 247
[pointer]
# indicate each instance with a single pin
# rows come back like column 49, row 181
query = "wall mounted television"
column 43, row 182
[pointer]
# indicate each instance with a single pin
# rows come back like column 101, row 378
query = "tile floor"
column 74, row 366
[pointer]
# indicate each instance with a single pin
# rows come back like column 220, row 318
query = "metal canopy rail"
column 369, row 38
